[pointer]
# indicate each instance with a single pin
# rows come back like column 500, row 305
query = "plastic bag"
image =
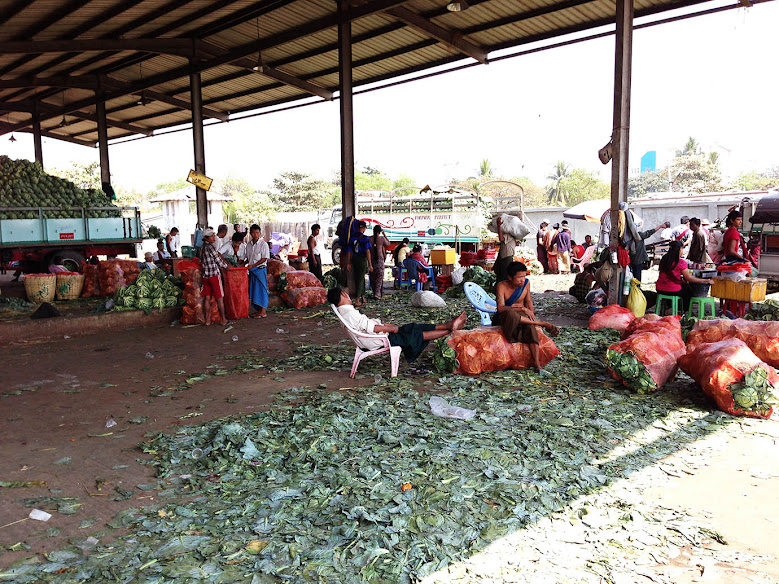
column 427, row 299
column 648, row 358
column 302, row 279
column 486, row 349
column 596, row 298
column 236, row 286
column 612, row 316
column 91, row 283
column 457, row 276
column 728, row 373
column 277, row 267
column 761, row 336
column 603, row 274
column 304, row 297
column 111, row 277
column 441, row 408
column 510, row 225
column 636, row 302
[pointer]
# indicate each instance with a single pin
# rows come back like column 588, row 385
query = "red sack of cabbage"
column 733, row 376
column 302, row 279
column 486, row 349
column 91, row 283
column 277, row 267
column 111, row 277
column 648, row 358
column 304, row 297
column 761, row 336
column 612, row 316
column 634, row 325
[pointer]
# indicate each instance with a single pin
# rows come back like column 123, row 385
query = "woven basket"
column 40, row 287
column 69, row 286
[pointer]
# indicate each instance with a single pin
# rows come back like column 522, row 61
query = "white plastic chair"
column 481, row 301
column 359, row 337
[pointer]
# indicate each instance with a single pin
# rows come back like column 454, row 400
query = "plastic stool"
column 674, row 300
column 702, row 303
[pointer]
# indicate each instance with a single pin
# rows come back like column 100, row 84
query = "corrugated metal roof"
column 146, row 79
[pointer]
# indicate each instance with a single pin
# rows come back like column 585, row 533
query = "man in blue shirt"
column 563, row 242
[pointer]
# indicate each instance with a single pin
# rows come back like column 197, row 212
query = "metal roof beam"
column 113, row 123
column 47, row 134
column 452, row 39
column 183, row 104
column 77, row 81
column 13, row 9
column 175, row 46
column 288, row 79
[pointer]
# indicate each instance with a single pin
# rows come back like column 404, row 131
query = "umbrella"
column 590, row 211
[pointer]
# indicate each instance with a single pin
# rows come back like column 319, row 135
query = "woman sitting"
column 675, row 276
column 416, row 254
column 733, row 246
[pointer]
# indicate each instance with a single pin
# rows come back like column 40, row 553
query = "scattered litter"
column 235, row 338
column 440, row 407
column 524, row 409
column 66, row 337
column 229, row 328
column 149, row 355
column 377, row 378
column 111, row 422
column 279, row 331
column 39, row 515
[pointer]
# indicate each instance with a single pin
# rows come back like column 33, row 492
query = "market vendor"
column 515, row 311
column 161, row 253
column 733, row 247
column 412, row 337
column 314, row 253
column 697, row 252
column 235, row 247
column 148, row 261
column 358, row 259
column 675, row 277
column 257, row 255
column 212, row 276
column 540, row 247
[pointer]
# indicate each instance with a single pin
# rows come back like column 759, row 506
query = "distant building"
column 649, row 161
column 179, row 209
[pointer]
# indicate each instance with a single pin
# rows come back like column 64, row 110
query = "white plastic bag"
column 441, row 408
column 457, row 276
column 427, row 299
column 510, row 225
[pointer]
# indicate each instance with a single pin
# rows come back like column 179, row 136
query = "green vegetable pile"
column 332, row 278
column 232, row 260
column 14, row 304
column 152, row 289
column 24, row 184
column 755, row 393
column 631, row 370
column 475, row 274
column 768, row 310
column 444, row 357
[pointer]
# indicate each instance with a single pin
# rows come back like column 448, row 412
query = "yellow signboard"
column 199, row 180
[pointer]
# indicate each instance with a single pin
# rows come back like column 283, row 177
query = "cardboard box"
column 442, row 257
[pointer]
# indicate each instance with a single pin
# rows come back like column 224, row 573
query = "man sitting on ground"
column 412, row 337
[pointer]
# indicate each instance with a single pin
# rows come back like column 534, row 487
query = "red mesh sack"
column 277, row 267
column 612, row 316
column 193, row 280
column 273, row 283
column 91, row 283
column 486, row 349
column 636, row 324
column 657, row 346
column 189, row 264
column 761, row 336
column 215, row 316
column 720, row 367
column 302, row 279
column 193, row 314
column 304, row 297
column 130, row 270
column 236, row 285
column 111, row 277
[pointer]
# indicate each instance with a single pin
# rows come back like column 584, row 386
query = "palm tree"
column 713, row 158
column 485, row 169
column 554, row 191
column 691, row 147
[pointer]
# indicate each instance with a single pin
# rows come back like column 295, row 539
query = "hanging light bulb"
column 457, row 6
column 12, row 139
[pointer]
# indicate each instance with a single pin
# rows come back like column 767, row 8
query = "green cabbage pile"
column 152, row 289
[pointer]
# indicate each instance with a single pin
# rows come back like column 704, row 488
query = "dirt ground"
column 58, row 396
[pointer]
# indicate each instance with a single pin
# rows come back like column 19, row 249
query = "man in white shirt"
column 257, row 255
column 221, row 237
column 234, row 247
column 412, row 337
column 161, row 253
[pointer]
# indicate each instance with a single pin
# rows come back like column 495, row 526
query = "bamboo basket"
column 69, row 286
column 40, row 287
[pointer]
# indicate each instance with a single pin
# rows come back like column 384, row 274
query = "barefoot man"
column 515, row 311
column 212, row 277
column 412, row 337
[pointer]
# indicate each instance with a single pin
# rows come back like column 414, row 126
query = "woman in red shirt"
column 675, row 276
column 733, row 245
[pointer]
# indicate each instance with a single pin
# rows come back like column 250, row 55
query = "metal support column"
column 348, row 197
column 621, row 133
column 196, row 99
column 36, row 133
column 102, row 144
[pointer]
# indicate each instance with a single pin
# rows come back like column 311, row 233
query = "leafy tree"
column 296, row 191
column 759, row 181
column 580, row 185
column 690, row 147
column 694, row 173
column 247, row 206
column 404, row 180
column 485, row 170
column 713, row 158
column 555, row 193
column 171, row 186
column 85, row 176
column 371, row 179
column 648, row 182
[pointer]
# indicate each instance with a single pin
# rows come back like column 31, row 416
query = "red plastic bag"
column 91, row 283
column 761, row 336
column 717, row 366
column 486, row 349
column 111, row 277
column 612, row 316
column 658, row 346
column 302, row 279
column 276, row 268
column 304, row 297
column 236, row 285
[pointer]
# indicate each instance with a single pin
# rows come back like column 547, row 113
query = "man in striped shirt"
column 212, row 276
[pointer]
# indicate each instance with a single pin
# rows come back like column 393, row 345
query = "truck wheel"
column 336, row 255
column 69, row 258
